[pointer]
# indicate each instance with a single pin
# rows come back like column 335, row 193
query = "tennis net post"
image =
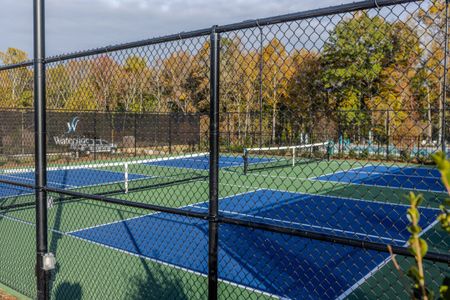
column 245, row 158
column 125, row 172
column 286, row 151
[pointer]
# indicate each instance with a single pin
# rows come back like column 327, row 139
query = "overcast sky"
column 74, row 25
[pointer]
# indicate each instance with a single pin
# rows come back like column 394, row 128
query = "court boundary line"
column 314, row 178
column 71, row 234
column 153, row 213
column 161, row 262
column 382, row 186
column 379, row 186
column 307, row 225
column 105, row 164
column 347, row 170
column 12, row 178
column 13, row 219
column 334, row 196
column 368, row 275
column 343, row 295
column 378, row 267
column 286, row 177
column 70, row 186
column 380, row 173
column 79, row 187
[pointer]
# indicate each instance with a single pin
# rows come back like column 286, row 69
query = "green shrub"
column 352, row 153
column 364, row 153
column 405, row 154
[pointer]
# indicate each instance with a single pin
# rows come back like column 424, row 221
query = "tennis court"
column 263, row 273
column 111, row 173
column 262, row 263
column 64, row 179
column 421, row 179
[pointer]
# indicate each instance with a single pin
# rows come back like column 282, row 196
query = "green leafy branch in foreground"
column 444, row 167
column 418, row 246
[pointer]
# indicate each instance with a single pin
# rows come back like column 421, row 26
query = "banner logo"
column 72, row 125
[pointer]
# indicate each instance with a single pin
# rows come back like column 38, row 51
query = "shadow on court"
column 69, row 291
column 155, row 284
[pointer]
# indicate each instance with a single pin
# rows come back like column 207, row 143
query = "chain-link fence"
column 264, row 159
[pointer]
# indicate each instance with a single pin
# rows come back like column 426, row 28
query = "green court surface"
column 95, row 270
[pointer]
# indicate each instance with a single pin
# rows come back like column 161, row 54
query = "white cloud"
column 74, row 25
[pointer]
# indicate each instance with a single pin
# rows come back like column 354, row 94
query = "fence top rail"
column 321, row 12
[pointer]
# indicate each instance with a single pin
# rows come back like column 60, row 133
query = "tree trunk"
column 247, row 120
column 239, row 123
column 274, row 119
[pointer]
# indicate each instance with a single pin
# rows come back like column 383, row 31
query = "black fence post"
column 444, row 85
column 261, row 69
column 135, row 132
column 42, row 272
column 95, row 135
column 213, row 168
column 228, row 132
column 388, row 132
column 170, row 133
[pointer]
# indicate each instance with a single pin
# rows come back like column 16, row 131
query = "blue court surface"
column 202, row 162
column 63, row 179
column 279, row 265
column 422, row 179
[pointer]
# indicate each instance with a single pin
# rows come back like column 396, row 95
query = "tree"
column 277, row 72
column 395, row 89
column 104, row 77
column 353, row 60
column 430, row 86
column 83, row 98
column 306, row 94
column 17, row 83
column 237, row 76
column 248, row 84
column 59, row 88
column 369, row 64
column 176, row 71
column 133, row 83
column 156, row 86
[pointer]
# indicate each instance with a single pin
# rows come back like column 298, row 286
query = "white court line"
column 154, row 213
column 306, row 225
column 161, row 262
column 32, row 180
column 379, row 173
column 146, row 258
column 382, row 186
column 71, row 234
column 82, row 186
column 338, row 171
column 68, row 186
column 106, row 164
column 227, row 197
column 232, row 283
column 377, row 268
column 312, row 179
column 332, row 196
column 27, row 223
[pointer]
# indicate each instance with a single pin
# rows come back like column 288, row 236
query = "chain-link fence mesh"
column 327, row 120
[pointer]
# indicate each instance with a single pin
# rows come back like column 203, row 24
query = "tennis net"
column 101, row 179
column 264, row 158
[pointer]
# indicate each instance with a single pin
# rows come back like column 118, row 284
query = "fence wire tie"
column 376, row 4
